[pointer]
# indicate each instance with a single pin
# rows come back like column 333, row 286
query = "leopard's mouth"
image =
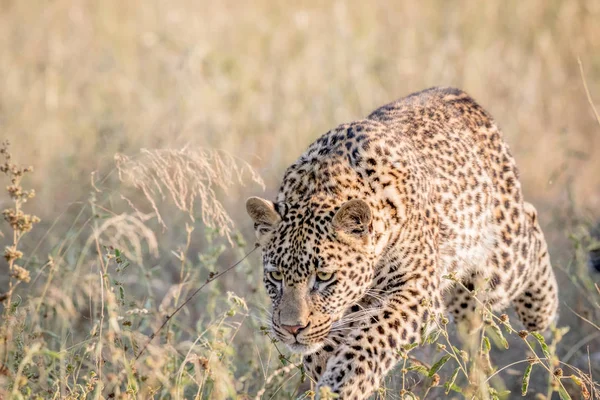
column 300, row 344
column 301, row 348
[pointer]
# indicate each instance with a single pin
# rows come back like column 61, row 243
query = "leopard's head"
column 318, row 261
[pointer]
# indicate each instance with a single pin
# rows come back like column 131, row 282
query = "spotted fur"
column 383, row 208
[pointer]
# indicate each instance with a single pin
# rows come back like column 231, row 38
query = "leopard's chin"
column 305, row 349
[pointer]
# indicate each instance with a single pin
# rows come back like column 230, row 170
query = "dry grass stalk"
column 186, row 175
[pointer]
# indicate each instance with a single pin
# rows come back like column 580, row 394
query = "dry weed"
column 186, row 175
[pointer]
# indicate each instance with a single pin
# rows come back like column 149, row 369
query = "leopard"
column 388, row 223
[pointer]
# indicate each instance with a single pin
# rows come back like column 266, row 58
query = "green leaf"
column 526, row 376
column 450, row 383
column 498, row 333
column 496, row 395
column 456, row 389
column 418, row 368
column 563, row 393
column 117, row 253
column 486, row 345
column 433, row 336
column 409, row 347
column 439, row 364
column 577, row 380
column 542, row 342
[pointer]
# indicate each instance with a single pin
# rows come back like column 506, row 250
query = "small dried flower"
column 585, row 392
column 19, row 221
column 435, row 380
column 504, row 318
column 11, row 253
column 14, row 191
column 20, row 274
column 203, row 362
column 51, row 263
column 558, row 372
column 91, row 382
column 523, row 334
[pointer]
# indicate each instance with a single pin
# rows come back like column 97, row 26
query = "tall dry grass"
column 256, row 81
column 85, row 81
column 185, row 176
column 78, row 329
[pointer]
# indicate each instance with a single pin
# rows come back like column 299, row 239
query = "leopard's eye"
column 276, row 276
column 324, row 276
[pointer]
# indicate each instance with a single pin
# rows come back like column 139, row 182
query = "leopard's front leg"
column 357, row 366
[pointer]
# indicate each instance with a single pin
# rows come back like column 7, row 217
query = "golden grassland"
column 148, row 123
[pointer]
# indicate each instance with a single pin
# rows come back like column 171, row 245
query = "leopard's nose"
column 293, row 329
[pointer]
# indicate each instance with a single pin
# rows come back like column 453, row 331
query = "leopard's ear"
column 353, row 221
column 264, row 215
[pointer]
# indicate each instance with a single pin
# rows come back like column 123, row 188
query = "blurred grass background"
column 81, row 81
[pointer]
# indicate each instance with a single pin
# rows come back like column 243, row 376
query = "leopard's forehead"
column 301, row 242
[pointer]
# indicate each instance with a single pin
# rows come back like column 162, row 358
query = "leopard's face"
column 317, row 264
column 311, row 284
